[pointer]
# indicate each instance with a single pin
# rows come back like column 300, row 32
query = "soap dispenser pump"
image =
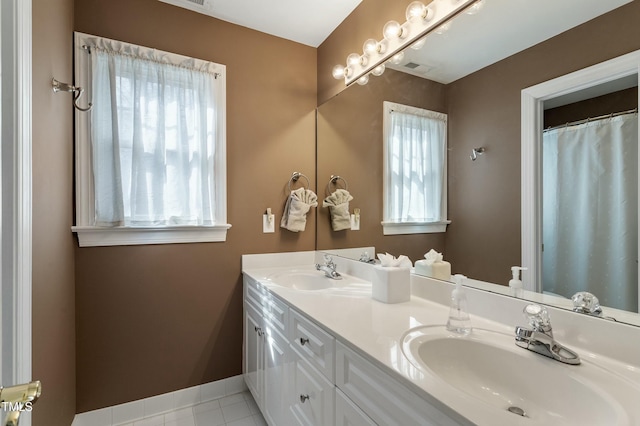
column 459, row 321
column 515, row 283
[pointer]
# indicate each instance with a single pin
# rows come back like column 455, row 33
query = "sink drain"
column 517, row 410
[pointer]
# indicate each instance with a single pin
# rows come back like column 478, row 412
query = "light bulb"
column 338, row 72
column 418, row 44
column 397, row 58
column 443, row 28
column 377, row 71
column 363, row 80
column 353, row 59
column 414, row 11
column 370, row 47
column 382, row 45
column 392, row 30
column 348, row 72
column 417, row 12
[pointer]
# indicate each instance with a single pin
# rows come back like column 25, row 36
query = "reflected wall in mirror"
column 484, row 238
column 349, row 131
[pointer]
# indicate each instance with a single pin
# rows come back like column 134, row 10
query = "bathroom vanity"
column 319, row 351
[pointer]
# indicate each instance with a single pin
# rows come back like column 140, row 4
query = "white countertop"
column 375, row 330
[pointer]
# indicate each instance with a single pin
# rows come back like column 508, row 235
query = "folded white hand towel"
column 338, row 204
column 295, row 210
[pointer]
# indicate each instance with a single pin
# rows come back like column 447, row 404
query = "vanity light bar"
column 421, row 20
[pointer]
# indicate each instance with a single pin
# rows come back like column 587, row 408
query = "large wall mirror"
column 475, row 71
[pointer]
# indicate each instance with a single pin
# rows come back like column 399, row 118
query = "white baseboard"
column 156, row 405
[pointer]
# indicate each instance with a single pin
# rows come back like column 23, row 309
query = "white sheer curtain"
column 153, row 130
column 416, row 155
column 590, row 210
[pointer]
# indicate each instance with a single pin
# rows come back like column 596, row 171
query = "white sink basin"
column 489, row 368
column 309, row 279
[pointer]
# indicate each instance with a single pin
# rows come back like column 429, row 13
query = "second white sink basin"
column 488, row 367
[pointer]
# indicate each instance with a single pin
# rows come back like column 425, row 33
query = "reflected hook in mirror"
column 475, row 152
column 77, row 91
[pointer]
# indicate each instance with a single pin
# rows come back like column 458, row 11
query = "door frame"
column 532, row 109
column 16, row 228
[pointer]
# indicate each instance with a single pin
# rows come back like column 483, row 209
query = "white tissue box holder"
column 440, row 270
column 391, row 284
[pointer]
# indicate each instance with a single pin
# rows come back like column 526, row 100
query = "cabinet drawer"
column 348, row 414
column 274, row 311
column 382, row 397
column 254, row 293
column 313, row 396
column 312, row 344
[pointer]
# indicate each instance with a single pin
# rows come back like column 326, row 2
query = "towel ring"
column 294, row 178
column 334, row 181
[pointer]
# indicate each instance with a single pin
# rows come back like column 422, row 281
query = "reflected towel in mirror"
column 338, row 203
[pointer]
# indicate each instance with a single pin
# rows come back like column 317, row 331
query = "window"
column 150, row 154
column 415, row 184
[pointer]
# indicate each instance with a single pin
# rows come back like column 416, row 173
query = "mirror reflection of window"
column 590, row 208
column 415, row 169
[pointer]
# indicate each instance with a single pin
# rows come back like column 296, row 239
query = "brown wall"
column 350, row 144
column 53, row 262
column 484, row 110
column 483, row 240
column 622, row 100
column 153, row 319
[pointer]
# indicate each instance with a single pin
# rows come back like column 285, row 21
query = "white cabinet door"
column 275, row 378
column 312, row 402
column 253, row 352
column 348, row 413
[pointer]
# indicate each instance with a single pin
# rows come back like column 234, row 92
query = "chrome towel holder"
column 294, row 178
column 333, row 180
column 77, row 91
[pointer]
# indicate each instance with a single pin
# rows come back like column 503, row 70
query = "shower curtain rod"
column 587, row 120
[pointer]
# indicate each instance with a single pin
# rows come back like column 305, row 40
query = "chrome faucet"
column 329, row 268
column 588, row 304
column 539, row 337
column 364, row 257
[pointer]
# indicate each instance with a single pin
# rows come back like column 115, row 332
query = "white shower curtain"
column 590, row 210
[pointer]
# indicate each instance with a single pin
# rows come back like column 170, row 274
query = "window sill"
column 401, row 228
column 94, row 236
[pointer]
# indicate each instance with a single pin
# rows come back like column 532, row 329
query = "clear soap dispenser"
column 515, row 283
column 459, row 321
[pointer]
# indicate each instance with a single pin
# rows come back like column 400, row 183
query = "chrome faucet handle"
column 586, row 303
column 328, row 260
column 538, row 318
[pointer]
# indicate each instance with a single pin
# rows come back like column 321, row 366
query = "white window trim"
column 90, row 235
column 401, row 228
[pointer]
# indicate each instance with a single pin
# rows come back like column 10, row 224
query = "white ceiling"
column 308, row 22
column 500, row 29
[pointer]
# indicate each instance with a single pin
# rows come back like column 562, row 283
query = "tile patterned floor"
column 233, row 410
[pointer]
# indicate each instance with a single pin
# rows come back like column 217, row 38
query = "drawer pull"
column 304, row 341
column 303, row 398
column 259, row 331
